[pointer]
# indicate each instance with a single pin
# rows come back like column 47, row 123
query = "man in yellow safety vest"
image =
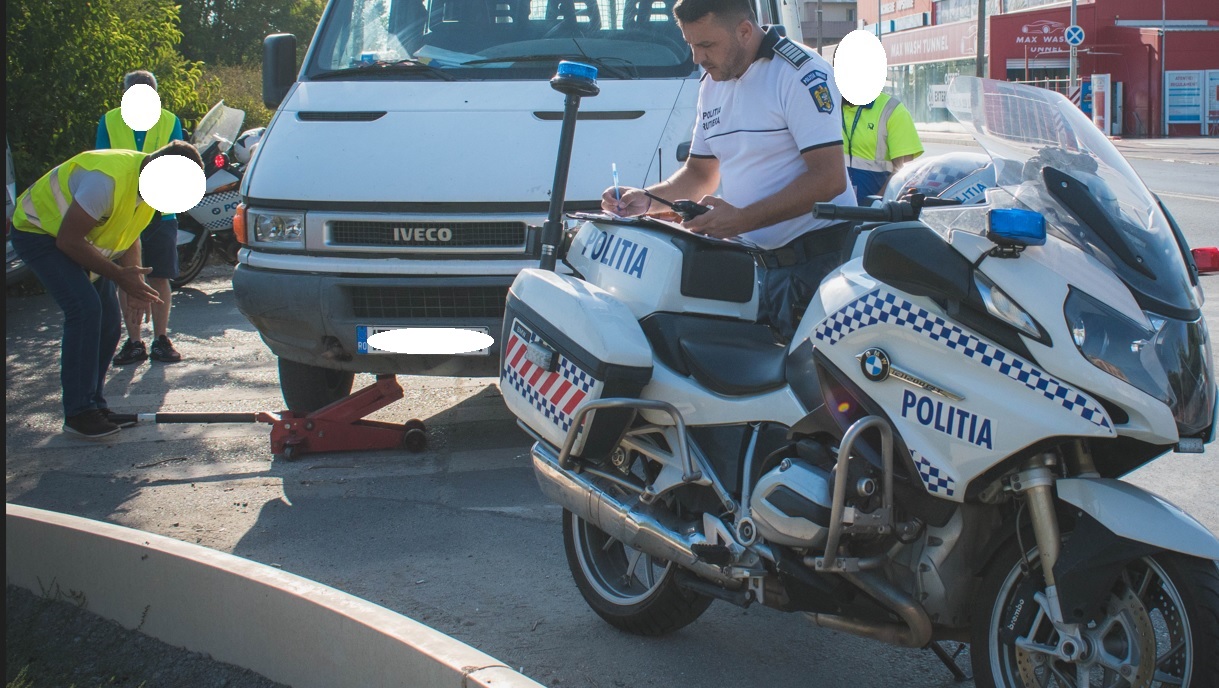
column 159, row 241
column 879, row 137
column 77, row 228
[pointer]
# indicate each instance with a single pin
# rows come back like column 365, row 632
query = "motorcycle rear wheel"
column 191, row 262
column 630, row 589
column 1162, row 620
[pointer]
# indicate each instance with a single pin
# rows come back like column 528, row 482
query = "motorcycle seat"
column 729, row 357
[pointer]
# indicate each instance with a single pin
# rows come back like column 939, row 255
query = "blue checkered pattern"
column 575, row 375
column 547, row 408
column 879, row 306
column 937, row 481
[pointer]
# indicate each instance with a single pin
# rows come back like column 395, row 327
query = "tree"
column 231, row 31
column 65, row 62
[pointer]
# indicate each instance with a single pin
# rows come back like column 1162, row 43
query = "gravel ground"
column 59, row 644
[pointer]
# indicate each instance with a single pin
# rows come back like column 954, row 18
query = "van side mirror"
column 917, row 260
column 683, row 151
column 278, row 67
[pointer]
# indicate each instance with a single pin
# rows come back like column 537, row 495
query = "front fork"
column 1035, row 481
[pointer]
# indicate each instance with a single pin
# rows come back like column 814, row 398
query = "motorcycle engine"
column 791, row 505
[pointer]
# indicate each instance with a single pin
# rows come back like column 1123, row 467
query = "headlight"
column 1116, row 344
column 278, row 228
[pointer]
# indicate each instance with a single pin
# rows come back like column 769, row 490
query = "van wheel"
column 308, row 388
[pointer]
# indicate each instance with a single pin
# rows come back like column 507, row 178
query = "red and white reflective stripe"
column 551, row 386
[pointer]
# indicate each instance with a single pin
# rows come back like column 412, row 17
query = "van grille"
column 428, row 234
column 428, row 302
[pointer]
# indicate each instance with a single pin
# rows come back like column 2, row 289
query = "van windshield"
column 498, row 39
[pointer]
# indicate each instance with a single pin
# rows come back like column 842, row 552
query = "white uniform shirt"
column 759, row 124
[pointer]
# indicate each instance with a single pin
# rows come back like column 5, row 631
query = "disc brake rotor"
column 1124, row 635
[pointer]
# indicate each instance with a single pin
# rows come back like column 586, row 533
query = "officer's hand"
column 131, row 280
column 632, row 202
column 723, row 221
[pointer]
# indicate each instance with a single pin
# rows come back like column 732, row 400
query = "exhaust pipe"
column 639, row 526
column 915, row 633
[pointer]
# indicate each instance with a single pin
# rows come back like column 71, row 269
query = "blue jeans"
column 92, row 325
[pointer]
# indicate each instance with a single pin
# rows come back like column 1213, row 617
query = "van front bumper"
column 312, row 318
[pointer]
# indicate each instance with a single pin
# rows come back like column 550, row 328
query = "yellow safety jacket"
column 47, row 200
column 873, row 135
column 121, row 135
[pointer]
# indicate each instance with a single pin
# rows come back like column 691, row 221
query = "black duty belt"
column 805, row 247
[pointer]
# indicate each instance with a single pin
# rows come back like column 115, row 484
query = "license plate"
column 363, row 332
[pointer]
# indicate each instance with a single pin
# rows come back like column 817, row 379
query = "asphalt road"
column 459, row 536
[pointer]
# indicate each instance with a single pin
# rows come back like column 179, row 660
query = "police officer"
column 159, row 241
column 768, row 130
column 880, row 137
column 78, row 228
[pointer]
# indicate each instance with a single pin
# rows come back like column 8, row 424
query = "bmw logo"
column 875, row 364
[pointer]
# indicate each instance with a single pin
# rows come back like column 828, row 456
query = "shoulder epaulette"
column 792, row 53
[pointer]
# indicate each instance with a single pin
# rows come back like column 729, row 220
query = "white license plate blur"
column 363, row 332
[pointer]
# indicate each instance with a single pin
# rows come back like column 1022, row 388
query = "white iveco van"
column 405, row 176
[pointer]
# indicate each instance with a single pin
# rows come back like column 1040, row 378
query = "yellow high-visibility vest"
column 121, row 135
column 49, row 197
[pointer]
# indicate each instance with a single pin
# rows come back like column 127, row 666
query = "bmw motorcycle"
column 208, row 227
column 935, row 456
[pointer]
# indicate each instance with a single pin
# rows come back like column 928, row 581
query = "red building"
column 1122, row 38
column 1137, row 43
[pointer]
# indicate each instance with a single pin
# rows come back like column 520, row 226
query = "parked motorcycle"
column 208, row 227
column 936, row 454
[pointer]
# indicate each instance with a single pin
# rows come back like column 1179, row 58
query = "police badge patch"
column 815, row 75
column 821, row 96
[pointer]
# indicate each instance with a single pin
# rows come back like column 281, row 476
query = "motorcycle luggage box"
column 566, row 342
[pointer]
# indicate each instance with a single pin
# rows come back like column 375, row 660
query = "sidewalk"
column 1193, row 149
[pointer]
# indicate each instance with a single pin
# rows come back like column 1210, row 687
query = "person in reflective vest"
column 77, row 228
column 879, row 138
column 159, row 240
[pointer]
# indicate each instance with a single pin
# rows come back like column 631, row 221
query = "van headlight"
column 1117, row 345
column 278, row 228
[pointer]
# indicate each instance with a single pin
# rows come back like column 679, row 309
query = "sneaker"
column 89, row 425
column 123, row 420
column 132, row 352
column 163, row 350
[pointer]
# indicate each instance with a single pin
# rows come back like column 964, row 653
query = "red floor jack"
column 337, row 427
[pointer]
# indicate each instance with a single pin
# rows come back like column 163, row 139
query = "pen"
column 617, row 194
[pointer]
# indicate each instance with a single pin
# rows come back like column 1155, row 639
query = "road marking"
column 1192, row 197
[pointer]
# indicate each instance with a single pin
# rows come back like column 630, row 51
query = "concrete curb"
column 285, row 627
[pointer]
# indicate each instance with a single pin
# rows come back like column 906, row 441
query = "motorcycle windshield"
column 1051, row 157
column 221, row 124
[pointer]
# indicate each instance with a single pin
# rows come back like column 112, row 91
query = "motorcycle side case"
column 652, row 268
column 567, row 342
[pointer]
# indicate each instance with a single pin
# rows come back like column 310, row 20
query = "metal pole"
column 878, row 15
column 820, row 33
column 1163, row 68
column 1073, row 68
column 980, row 57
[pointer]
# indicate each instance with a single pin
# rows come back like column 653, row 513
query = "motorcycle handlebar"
column 894, row 211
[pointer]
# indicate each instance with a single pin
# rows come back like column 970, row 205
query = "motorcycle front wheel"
column 192, row 258
column 630, row 589
column 1160, row 627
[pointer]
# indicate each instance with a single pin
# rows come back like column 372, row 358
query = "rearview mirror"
column 278, row 67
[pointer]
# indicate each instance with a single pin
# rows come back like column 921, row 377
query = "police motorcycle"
column 208, row 227
column 934, row 457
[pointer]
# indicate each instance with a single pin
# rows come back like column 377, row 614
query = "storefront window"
column 911, row 84
column 948, row 11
